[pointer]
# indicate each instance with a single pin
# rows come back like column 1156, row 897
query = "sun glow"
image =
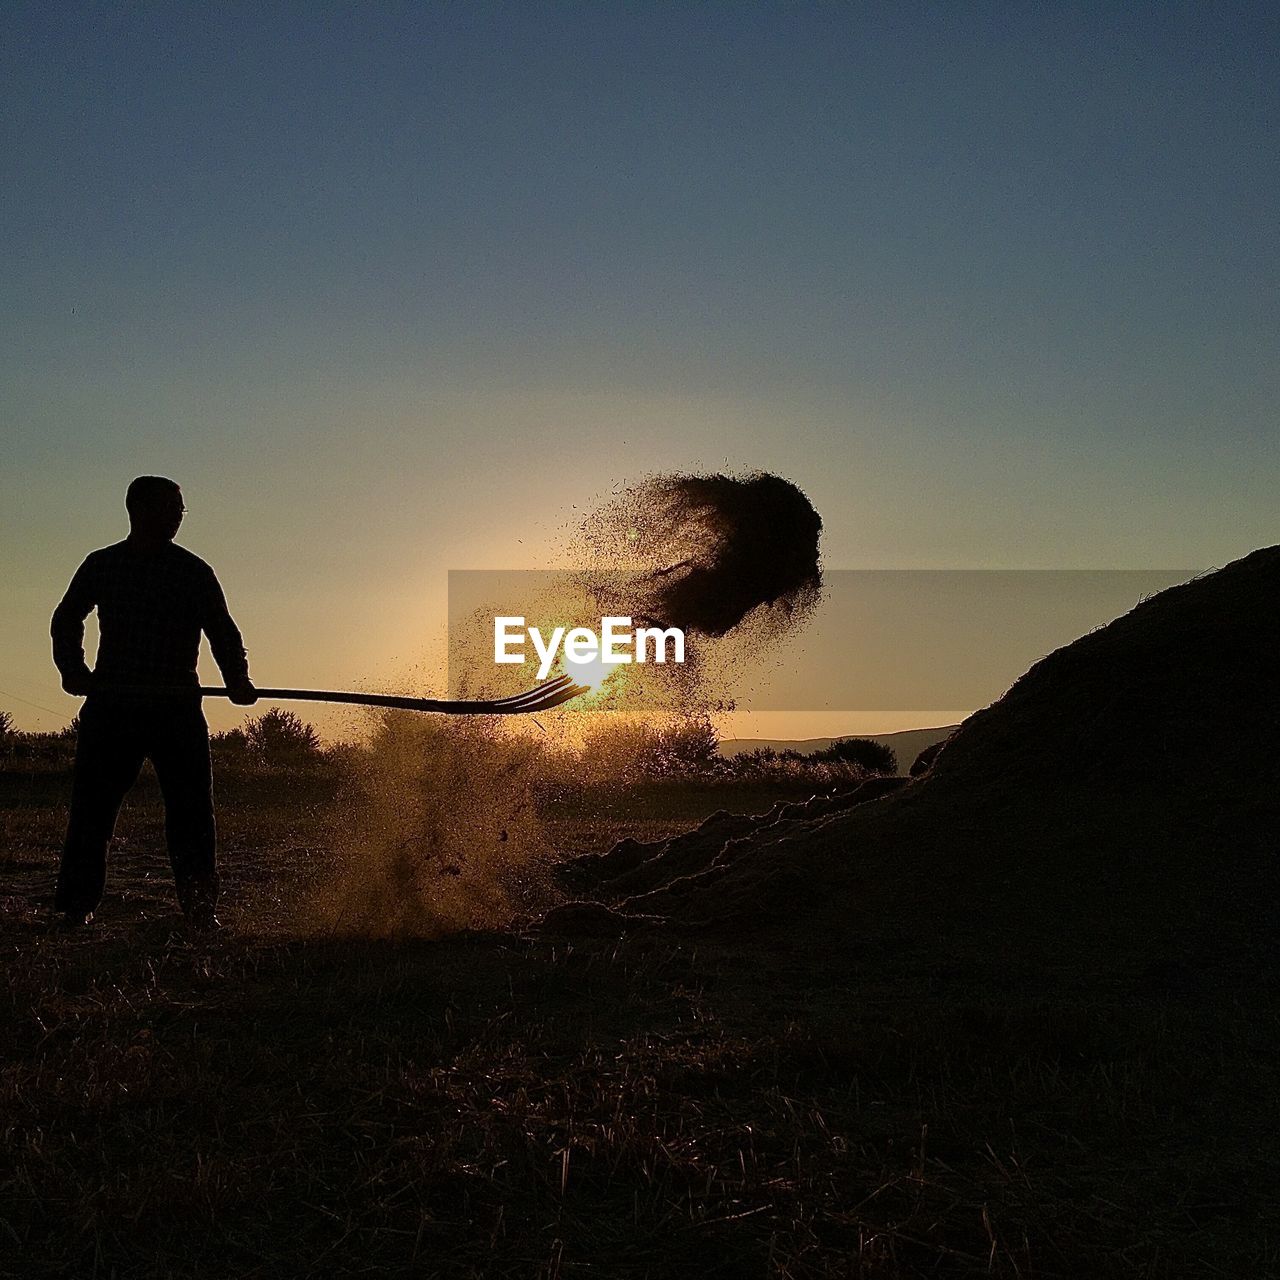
column 592, row 673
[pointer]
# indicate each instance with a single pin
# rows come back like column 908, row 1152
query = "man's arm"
column 67, row 631
column 227, row 644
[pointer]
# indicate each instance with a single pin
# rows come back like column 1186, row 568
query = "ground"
column 511, row 1104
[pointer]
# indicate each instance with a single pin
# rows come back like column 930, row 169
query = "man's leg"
column 180, row 752
column 108, row 757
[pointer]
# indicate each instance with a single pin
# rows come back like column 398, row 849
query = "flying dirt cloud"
column 733, row 562
column 704, row 552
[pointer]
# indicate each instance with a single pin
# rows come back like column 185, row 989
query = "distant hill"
column 906, row 745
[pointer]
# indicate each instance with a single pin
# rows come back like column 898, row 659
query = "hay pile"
column 1094, row 818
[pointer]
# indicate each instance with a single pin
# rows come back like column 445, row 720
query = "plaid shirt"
column 152, row 606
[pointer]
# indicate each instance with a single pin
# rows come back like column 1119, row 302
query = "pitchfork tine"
column 534, row 695
column 555, row 699
column 558, row 683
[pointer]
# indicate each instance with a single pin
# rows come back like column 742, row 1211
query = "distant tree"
column 866, row 753
column 6, row 727
column 281, row 738
column 71, row 732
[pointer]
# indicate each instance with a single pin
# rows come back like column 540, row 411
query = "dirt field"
column 270, row 1104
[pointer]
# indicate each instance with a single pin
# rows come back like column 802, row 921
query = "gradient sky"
column 390, row 288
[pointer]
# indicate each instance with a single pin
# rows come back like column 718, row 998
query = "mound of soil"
column 632, row 869
column 1033, row 839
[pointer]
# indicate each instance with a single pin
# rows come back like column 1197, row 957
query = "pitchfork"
column 540, row 698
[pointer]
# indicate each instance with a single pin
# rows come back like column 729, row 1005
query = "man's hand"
column 78, row 681
column 242, row 692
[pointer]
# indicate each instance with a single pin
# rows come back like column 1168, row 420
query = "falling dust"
column 440, row 831
column 444, row 827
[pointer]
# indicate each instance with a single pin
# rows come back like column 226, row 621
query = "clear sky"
column 390, row 288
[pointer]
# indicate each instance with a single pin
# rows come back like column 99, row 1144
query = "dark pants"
column 114, row 740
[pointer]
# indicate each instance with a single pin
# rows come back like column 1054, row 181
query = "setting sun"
column 593, row 673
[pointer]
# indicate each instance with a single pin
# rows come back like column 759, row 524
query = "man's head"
column 155, row 508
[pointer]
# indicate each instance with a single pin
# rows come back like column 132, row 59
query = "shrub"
column 281, row 738
column 688, row 746
column 231, row 746
column 619, row 752
column 627, row 751
column 768, row 765
column 865, row 753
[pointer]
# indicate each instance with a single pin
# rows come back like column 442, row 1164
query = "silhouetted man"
column 153, row 600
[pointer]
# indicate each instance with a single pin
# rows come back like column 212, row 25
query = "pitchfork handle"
column 337, row 695
column 553, row 694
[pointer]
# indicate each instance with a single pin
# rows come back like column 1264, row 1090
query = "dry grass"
column 494, row 1105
